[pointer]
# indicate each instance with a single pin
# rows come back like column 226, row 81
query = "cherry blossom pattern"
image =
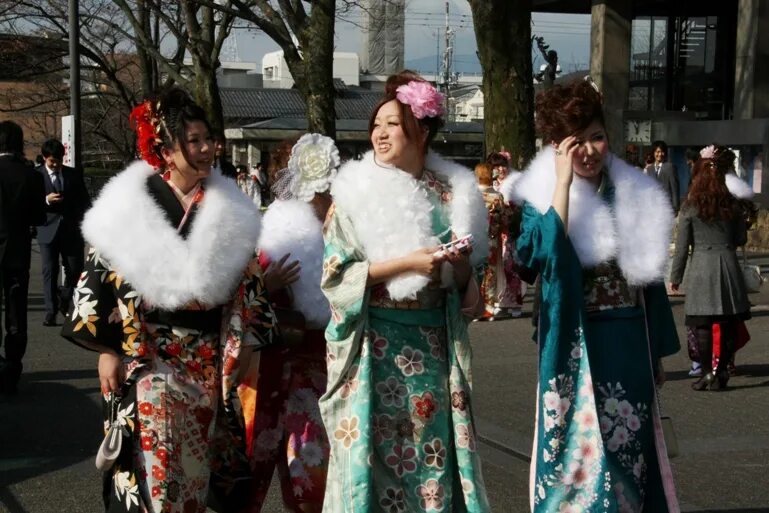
column 347, row 431
column 410, row 361
column 465, row 438
column 431, row 495
column 393, row 501
column 424, row 406
column 402, row 459
column 392, row 392
column 435, row 453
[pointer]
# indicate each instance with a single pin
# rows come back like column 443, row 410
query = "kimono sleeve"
column 542, row 241
column 253, row 309
column 95, row 321
column 663, row 336
column 345, row 273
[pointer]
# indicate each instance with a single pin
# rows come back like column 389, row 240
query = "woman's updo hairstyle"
column 176, row 110
column 565, row 110
column 410, row 124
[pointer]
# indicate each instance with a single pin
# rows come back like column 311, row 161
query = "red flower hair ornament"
column 144, row 120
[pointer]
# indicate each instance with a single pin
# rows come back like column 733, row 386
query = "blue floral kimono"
column 598, row 440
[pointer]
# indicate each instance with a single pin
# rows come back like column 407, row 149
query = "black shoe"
column 49, row 321
column 708, row 381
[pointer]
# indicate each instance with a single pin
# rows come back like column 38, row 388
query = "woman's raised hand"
column 564, row 160
column 280, row 274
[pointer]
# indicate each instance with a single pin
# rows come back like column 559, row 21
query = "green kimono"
column 598, row 444
column 397, row 409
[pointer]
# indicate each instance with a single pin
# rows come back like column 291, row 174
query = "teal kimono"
column 598, row 445
column 398, row 408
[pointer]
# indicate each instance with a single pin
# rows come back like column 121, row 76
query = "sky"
column 568, row 34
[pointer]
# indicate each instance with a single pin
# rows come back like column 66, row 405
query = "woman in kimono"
column 173, row 300
column 493, row 284
column 398, row 408
column 712, row 224
column 596, row 230
column 288, row 431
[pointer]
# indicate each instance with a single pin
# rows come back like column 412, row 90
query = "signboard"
column 68, row 140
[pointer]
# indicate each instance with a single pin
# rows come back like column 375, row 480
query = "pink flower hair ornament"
column 425, row 101
column 708, row 152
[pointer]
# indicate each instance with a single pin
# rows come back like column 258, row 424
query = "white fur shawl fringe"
column 738, row 187
column 636, row 232
column 132, row 232
column 291, row 227
column 391, row 213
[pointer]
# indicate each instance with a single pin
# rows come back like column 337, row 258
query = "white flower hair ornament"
column 312, row 165
column 708, row 152
column 425, row 101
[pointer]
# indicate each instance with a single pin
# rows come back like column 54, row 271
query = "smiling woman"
column 596, row 231
column 175, row 306
column 397, row 344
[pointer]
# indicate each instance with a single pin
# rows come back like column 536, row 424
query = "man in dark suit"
column 665, row 172
column 66, row 199
column 21, row 208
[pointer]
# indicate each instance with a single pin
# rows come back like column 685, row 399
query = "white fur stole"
column 291, row 227
column 391, row 213
column 508, row 184
column 129, row 228
column 636, row 232
column 738, row 187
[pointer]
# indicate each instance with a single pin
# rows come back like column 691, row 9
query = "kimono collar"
column 133, row 233
column 391, row 212
column 634, row 228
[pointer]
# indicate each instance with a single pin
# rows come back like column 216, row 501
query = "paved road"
column 49, row 433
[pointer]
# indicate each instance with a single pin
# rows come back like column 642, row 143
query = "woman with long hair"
column 398, row 407
column 172, row 298
column 597, row 231
column 711, row 225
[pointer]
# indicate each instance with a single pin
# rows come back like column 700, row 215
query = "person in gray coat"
column 712, row 226
column 664, row 172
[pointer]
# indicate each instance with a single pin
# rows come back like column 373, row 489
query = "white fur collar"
column 737, row 187
column 391, row 214
column 291, row 227
column 508, row 184
column 132, row 232
column 637, row 233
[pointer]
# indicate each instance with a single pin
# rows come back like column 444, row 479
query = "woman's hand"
column 425, row 262
column 280, row 274
column 564, row 160
column 110, row 372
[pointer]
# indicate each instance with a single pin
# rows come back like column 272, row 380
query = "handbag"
column 752, row 274
column 110, row 448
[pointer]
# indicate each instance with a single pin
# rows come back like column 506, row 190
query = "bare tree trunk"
column 312, row 71
column 503, row 34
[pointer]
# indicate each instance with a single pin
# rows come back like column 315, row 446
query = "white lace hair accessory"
column 312, row 165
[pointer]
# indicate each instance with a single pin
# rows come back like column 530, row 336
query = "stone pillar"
column 745, row 58
column 610, row 62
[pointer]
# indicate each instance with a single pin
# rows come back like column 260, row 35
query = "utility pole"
column 74, row 82
column 448, row 57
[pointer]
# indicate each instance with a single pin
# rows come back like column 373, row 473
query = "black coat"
column 22, row 206
column 63, row 218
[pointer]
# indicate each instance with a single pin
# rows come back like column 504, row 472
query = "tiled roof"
column 252, row 105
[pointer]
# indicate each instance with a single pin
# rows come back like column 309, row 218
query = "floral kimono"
column 494, row 287
column 604, row 322
column 176, row 297
column 398, row 408
column 288, row 432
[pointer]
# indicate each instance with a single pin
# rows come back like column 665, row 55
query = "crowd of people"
column 325, row 334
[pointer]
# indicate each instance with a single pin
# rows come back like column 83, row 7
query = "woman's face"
column 391, row 146
column 593, row 148
column 194, row 156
